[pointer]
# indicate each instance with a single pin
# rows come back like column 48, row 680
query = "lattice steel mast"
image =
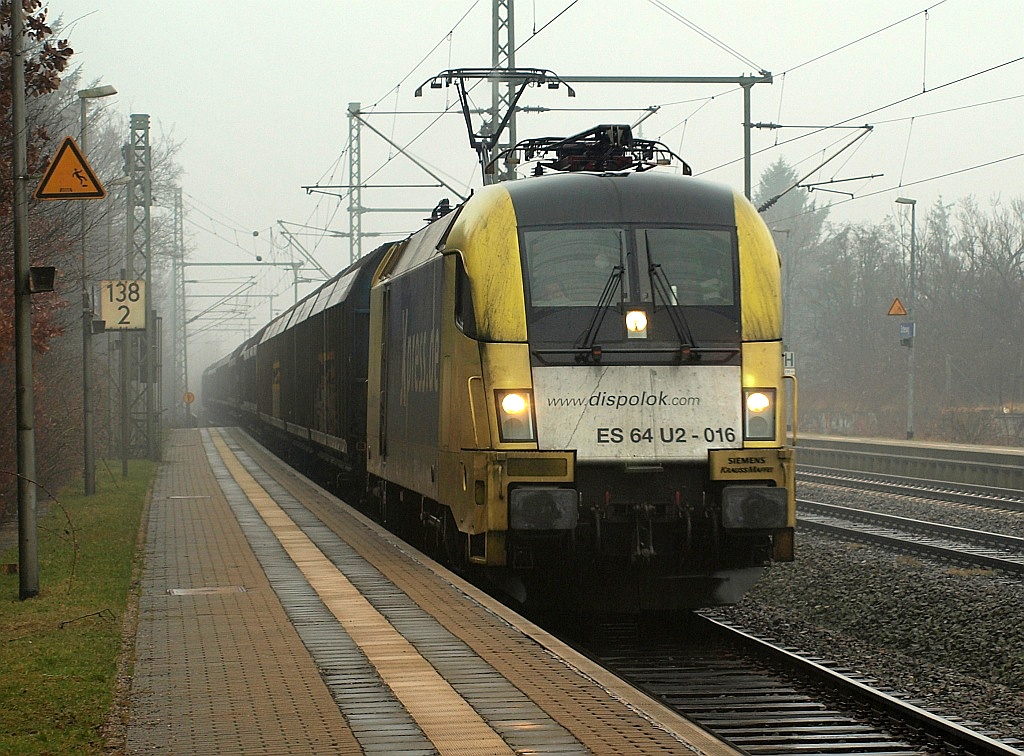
column 503, row 93
column 139, row 390
column 179, row 347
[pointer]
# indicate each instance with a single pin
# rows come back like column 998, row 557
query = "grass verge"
column 59, row 650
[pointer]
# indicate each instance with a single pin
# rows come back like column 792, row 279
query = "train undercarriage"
column 652, row 547
column 659, row 543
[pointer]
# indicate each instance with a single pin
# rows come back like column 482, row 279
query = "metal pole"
column 503, row 94
column 89, row 457
column 746, row 82
column 152, row 330
column 128, row 360
column 910, row 312
column 355, row 175
column 747, row 182
column 28, row 535
column 910, row 316
column 89, row 474
column 125, row 343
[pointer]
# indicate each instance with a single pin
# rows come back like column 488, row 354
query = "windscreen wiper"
column 675, row 314
column 585, row 343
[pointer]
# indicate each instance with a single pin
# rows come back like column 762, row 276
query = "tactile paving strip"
column 378, row 720
column 445, row 713
column 606, row 717
column 207, row 679
column 518, row 720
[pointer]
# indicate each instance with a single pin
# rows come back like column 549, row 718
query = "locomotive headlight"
column 759, row 414
column 758, row 402
column 515, row 415
column 514, row 404
column 636, row 324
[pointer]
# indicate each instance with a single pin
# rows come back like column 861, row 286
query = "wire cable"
column 707, row 35
column 870, row 112
column 861, row 39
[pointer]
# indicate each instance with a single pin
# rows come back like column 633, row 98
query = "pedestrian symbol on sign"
column 897, row 308
column 69, row 176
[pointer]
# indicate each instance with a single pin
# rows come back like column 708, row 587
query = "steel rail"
column 988, row 496
column 863, row 525
column 953, row 736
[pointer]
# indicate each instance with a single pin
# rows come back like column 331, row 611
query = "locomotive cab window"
column 697, row 265
column 630, row 291
column 570, row 267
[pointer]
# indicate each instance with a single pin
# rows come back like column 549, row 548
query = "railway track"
column 956, row 464
column 976, row 547
column 765, row 705
column 770, row 700
column 936, row 490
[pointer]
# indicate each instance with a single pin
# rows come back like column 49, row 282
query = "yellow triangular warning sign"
column 897, row 308
column 69, row 176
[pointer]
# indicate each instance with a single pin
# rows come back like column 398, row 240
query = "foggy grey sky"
column 257, row 92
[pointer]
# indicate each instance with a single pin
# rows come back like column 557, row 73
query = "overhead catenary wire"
column 448, row 38
column 876, row 123
column 944, row 111
column 889, row 189
column 657, row 3
column 241, row 288
column 550, row 21
column 705, row 34
column 872, row 111
column 767, row 204
column 906, row 150
column 862, row 38
column 817, row 58
column 724, row 46
column 924, row 56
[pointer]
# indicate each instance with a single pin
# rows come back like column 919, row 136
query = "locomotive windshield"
column 570, row 267
column 686, row 278
column 698, row 264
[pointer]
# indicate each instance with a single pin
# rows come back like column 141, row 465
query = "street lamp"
column 910, row 312
column 89, row 475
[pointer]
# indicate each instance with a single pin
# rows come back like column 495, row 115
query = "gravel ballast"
column 950, row 638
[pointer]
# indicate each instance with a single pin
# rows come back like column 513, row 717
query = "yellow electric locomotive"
column 576, row 380
column 571, row 383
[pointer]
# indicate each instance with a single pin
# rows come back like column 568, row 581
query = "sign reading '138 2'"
column 123, row 305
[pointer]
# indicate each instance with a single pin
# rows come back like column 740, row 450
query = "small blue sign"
column 907, row 334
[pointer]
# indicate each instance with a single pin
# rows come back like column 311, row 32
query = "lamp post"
column 910, row 312
column 89, row 475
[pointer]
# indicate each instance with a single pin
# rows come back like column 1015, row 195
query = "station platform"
column 273, row 618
